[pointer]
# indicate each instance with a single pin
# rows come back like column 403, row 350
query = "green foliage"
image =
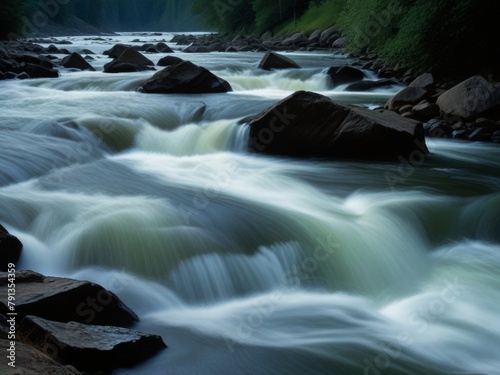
column 448, row 37
column 230, row 16
column 319, row 16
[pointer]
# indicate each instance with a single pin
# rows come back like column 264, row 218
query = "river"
column 244, row 263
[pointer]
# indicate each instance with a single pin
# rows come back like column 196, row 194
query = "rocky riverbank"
column 461, row 108
column 51, row 325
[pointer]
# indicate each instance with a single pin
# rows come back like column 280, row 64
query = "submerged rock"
column 90, row 348
column 185, row 78
column 65, row 300
column 10, row 249
column 307, row 124
column 272, row 60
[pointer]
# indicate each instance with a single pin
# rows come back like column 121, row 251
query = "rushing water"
column 248, row 264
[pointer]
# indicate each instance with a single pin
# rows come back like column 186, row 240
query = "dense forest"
column 28, row 16
column 421, row 34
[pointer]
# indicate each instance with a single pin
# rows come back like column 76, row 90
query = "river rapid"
column 245, row 263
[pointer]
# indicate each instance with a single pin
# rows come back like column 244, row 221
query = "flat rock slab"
column 30, row 361
column 65, row 300
column 88, row 347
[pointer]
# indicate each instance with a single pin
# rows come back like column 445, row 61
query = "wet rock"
column 10, row 249
column 307, row 124
column 371, row 85
column 470, row 98
column 65, row 300
column 425, row 111
column 169, row 60
column 53, row 49
column 129, row 61
column 196, row 49
column 76, row 61
column 272, row 60
column 90, row 348
column 164, row 48
column 116, row 50
column 409, row 95
column 345, row 74
column 186, row 78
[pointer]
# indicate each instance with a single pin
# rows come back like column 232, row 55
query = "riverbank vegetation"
column 451, row 37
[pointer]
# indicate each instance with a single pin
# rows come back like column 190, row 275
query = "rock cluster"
column 69, row 326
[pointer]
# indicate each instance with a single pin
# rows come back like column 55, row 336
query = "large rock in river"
column 10, row 249
column 129, row 61
column 272, row 60
column 76, row 61
column 307, row 124
column 90, row 348
column 185, row 78
column 345, row 74
column 65, row 300
column 470, row 98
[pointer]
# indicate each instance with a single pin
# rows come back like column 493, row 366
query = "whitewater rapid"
column 250, row 264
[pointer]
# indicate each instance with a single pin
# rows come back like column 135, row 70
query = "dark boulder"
column 90, row 348
column 425, row 111
column 76, row 61
column 129, row 61
column 116, row 50
column 470, row 98
column 2, row 76
column 65, row 300
column 371, row 85
column 169, row 60
column 186, row 78
column 327, row 34
column 10, row 249
column 164, row 48
column 272, row 60
column 53, row 49
column 34, row 59
column 409, row 95
column 307, row 124
column 295, row 39
column 345, row 74
column 37, row 71
column 196, row 49
column 340, row 42
column 425, row 81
